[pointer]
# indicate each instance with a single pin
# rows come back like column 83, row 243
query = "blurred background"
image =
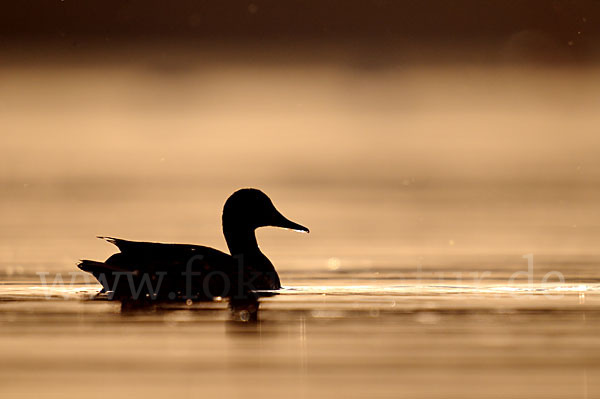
column 400, row 132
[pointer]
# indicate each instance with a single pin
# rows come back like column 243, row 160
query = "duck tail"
column 91, row 266
column 103, row 272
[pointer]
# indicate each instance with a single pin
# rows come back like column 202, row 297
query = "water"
column 340, row 336
column 453, row 214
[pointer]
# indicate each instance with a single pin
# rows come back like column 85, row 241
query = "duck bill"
column 281, row 221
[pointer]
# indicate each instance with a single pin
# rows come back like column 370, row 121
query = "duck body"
column 158, row 271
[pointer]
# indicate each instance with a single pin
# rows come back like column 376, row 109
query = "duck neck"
column 241, row 241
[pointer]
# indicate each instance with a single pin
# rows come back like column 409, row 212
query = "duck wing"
column 166, row 264
column 163, row 253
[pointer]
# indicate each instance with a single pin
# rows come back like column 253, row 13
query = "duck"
column 143, row 271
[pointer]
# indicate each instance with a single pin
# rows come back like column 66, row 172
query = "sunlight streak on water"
column 346, row 292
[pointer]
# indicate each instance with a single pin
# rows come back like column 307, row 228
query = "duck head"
column 249, row 209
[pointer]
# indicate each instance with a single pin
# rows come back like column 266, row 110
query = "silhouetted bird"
column 148, row 270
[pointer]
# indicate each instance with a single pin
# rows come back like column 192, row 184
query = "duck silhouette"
column 156, row 271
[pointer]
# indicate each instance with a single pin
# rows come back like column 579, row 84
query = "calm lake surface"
column 454, row 216
column 341, row 335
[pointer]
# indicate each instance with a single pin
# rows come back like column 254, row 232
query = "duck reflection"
column 242, row 310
